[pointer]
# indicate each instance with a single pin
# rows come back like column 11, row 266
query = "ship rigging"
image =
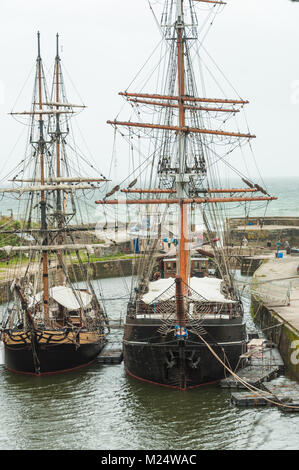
column 166, row 318
column 55, row 320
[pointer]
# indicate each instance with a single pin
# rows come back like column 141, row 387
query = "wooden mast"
column 60, row 276
column 184, row 103
column 57, row 60
column 43, row 200
column 183, row 268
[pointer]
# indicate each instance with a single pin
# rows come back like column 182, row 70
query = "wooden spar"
column 47, row 187
column 158, row 191
column 43, row 201
column 62, row 179
column 233, row 190
column 138, row 201
column 173, row 191
column 205, row 253
column 183, row 98
column 46, row 248
column 193, row 108
column 211, row 1
column 65, row 187
column 189, row 130
column 41, row 111
column 52, row 230
column 66, row 105
column 187, row 200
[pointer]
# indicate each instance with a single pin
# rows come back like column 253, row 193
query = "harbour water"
column 100, row 408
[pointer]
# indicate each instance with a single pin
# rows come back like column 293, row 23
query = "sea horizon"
column 286, row 189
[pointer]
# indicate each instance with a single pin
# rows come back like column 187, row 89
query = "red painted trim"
column 43, row 374
column 171, row 386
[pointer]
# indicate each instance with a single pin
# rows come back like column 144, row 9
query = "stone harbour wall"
column 96, row 270
column 281, row 333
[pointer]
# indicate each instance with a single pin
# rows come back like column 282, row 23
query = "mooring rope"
column 252, row 388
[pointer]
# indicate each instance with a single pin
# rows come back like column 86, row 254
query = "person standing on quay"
column 278, row 247
column 244, row 242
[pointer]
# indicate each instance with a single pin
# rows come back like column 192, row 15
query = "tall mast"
column 57, row 61
column 182, row 170
column 183, row 268
column 60, row 275
column 42, row 177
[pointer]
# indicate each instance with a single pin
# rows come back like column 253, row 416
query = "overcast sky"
column 104, row 43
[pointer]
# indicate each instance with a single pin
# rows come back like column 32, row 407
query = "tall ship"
column 54, row 320
column 183, row 328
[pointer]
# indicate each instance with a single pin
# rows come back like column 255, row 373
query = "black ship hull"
column 46, row 358
column 182, row 364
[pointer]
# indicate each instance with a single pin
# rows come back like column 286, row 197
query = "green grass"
column 13, row 261
column 94, row 259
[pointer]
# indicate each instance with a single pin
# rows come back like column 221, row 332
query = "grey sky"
column 104, row 43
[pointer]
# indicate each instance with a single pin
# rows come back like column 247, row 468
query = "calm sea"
column 285, row 189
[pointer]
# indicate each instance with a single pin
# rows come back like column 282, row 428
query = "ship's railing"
column 193, row 309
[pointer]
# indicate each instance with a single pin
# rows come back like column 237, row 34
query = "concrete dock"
column 284, row 272
column 275, row 306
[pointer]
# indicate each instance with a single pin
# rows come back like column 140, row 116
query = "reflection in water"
column 101, row 408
